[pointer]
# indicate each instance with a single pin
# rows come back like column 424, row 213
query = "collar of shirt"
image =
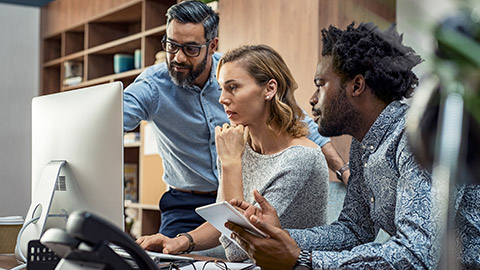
column 381, row 126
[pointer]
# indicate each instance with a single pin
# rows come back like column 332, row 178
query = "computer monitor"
column 77, row 158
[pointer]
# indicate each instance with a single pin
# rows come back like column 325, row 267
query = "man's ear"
column 213, row 45
column 271, row 89
column 358, row 85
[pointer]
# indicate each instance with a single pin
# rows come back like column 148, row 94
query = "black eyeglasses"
column 188, row 50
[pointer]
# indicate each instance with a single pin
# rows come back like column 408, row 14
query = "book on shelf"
column 73, row 72
column 122, row 62
column 72, row 81
column 131, row 137
column 131, row 181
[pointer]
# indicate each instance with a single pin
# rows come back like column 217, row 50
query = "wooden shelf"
column 72, row 56
column 119, row 24
column 141, row 205
column 74, row 40
column 92, row 38
column 53, row 62
column 52, row 48
column 134, row 144
column 152, row 10
column 136, row 24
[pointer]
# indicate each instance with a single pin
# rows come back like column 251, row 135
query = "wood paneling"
column 290, row 27
column 152, row 185
column 151, row 172
column 64, row 14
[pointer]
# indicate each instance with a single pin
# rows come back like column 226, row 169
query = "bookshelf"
column 136, row 24
column 150, row 187
column 90, row 39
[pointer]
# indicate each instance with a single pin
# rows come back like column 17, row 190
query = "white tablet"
column 219, row 213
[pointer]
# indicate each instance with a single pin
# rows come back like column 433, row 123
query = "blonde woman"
column 264, row 148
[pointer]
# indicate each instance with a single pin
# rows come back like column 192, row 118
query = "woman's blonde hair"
column 263, row 63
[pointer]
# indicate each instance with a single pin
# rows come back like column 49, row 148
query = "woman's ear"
column 271, row 89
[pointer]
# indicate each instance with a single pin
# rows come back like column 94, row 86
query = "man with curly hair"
column 361, row 79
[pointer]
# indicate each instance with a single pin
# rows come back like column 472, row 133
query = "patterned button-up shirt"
column 386, row 190
column 467, row 222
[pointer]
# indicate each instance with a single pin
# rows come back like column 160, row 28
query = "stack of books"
column 131, row 182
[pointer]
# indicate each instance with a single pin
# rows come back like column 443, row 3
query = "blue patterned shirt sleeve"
column 388, row 190
column 467, row 218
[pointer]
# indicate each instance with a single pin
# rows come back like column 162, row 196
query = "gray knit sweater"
column 294, row 181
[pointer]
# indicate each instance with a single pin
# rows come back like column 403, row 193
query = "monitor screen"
column 77, row 158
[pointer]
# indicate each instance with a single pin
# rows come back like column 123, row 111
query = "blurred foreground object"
column 444, row 134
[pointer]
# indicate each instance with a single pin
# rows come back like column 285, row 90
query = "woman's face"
column 243, row 99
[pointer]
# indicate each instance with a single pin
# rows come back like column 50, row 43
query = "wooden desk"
column 8, row 261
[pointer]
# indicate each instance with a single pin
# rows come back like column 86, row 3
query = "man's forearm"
column 335, row 161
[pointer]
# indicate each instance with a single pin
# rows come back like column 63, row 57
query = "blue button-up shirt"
column 386, row 190
column 183, row 120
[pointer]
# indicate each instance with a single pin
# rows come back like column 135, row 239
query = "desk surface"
column 8, row 261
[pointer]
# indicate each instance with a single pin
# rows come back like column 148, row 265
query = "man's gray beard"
column 191, row 75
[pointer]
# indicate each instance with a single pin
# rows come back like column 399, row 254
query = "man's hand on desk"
column 279, row 250
column 161, row 243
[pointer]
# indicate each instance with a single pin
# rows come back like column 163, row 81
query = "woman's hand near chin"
column 230, row 142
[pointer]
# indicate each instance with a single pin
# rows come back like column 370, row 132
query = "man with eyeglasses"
column 179, row 99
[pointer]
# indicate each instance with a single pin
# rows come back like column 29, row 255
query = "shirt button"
column 213, row 143
column 363, row 146
column 203, row 94
column 365, row 165
column 372, row 199
column 211, row 120
column 371, row 147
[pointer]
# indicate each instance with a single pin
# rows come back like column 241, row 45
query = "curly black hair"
column 379, row 56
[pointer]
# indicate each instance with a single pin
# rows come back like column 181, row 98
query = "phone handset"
column 86, row 240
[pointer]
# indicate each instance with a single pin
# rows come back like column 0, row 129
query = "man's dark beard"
column 192, row 74
column 339, row 119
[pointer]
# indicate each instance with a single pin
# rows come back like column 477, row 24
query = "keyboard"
column 157, row 257
column 167, row 257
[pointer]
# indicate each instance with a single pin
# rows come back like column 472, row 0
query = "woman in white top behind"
column 264, row 148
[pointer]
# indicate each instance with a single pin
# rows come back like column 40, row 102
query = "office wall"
column 19, row 82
